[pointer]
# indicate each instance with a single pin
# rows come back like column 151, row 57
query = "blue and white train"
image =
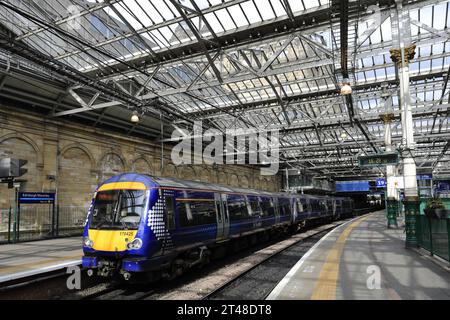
column 145, row 226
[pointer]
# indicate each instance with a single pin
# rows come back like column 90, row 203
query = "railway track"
column 256, row 270
column 227, row 278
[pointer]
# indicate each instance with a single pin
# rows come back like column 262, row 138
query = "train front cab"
column 118, row 235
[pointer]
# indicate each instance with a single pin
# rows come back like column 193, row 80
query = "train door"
column 295, row 211
column 223, row 220
column 277, row 210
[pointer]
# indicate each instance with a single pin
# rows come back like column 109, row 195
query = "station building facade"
column 72, row 159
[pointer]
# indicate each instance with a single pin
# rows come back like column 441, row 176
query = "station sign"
column 379, row 160
column 381, row 183
column 352, row 186
column 36, row 197
column 424, row 177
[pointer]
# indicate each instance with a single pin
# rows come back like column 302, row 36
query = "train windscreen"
column 118, row 210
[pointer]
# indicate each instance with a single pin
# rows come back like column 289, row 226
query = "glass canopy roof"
column 271, row 64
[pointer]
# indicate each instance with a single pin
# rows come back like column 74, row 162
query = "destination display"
column 378, row 160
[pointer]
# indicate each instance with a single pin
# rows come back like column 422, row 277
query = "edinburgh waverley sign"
column 36, row 197
column 379, row 160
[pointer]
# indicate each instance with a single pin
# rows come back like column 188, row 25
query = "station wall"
column 80, row 157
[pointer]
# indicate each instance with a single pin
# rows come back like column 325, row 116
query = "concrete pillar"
column 401, row 57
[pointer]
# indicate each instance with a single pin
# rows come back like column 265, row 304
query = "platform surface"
column 363, row 260
column 31, row 258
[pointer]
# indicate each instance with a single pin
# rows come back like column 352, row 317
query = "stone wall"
column 81, row 157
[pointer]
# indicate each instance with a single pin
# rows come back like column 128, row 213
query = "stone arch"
column 223, row 178
column 204, row 174
column 21, row 136
column 75, row 181
column 111, row 164
column 267, row 185
column 20, row 147
column 233, row 180
column 188, row 173
column 82, row 148
column 170, row 171
column 244, row 182
column 141, row 165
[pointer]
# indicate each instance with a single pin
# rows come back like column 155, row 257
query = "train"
column 146, row 227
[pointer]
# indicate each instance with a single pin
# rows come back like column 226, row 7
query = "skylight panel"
column 265, row 9
column 426, row 16
column 296, row 5
column 310, row 3
column 225, row 20
column 250, row 12
column 278, row 7
column 238, row 16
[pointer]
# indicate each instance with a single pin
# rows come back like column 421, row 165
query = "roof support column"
column 401, row 57
column 391, row 191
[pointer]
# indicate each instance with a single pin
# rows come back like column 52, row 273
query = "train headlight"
column 88, row 242
column 136, row 244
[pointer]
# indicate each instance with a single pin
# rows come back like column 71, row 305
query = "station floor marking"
column 291, row 274
column 327, row 282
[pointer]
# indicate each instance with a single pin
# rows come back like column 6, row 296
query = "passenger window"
column 285, row 207
column 300, row 207
column 267, row 207
column 196, row 209
column 237, row 207
column 254, row 206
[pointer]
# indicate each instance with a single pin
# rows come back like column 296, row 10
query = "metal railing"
column 40, row 222
column 433, row 235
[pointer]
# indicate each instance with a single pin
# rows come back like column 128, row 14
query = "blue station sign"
column 424, row 177
column 36, row 197
column 381, row 183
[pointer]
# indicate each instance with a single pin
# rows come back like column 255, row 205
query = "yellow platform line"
column 33, row 265
column 327, row 282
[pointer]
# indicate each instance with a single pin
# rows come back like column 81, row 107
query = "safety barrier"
column 40, row 222
column 434, row 236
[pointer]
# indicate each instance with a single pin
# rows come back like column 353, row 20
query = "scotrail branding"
column 239, row 146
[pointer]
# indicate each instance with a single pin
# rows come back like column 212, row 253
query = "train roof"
column 156, row 181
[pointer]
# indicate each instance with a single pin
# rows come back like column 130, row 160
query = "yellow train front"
column 117, row 238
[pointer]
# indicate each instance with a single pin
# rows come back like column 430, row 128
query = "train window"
column 285, row 206
column 170, row 213
column 322, row 205
column 196, row 209
column 315, row 205
column 237, row 207
column 254, row 206
column 301, row 206
column 267, row 207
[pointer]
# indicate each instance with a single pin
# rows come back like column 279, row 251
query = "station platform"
column 32, row 258
column 363, row 260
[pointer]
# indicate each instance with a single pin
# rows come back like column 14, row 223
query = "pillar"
column 401, row 57
column 391, row 194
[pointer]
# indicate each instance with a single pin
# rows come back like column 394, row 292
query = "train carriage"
column 139, row 224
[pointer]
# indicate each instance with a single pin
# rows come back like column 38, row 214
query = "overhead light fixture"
column 135, row 117
column 344, row 135
column 346, row 89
